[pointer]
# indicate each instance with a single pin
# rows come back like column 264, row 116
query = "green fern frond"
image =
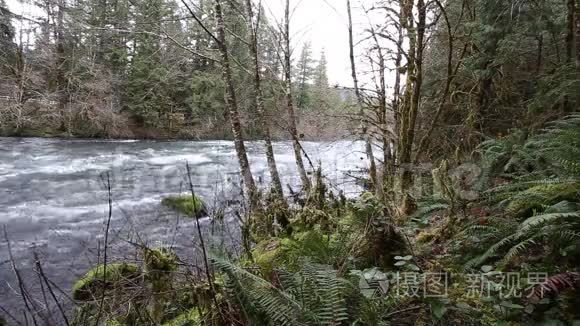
column 547, row 218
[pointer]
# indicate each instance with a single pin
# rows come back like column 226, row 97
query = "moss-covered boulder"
column 184, row 204
column 117, row 275
column 289, row 252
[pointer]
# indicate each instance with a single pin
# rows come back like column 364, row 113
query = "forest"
column 467, row 112
column 79, row 69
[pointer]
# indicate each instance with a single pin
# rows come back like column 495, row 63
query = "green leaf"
column 486, row 268
column 400, row 263
column 414, row 267
column 438, row 309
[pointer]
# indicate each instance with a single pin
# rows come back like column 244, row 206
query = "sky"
column 322, row 22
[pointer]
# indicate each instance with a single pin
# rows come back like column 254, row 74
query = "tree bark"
column 412, row 89
column 450, row 76
column 365, row 131
column 61, row 80
column 259, row 99
column 382, row 109
column 577, row 21
column 570, row 30
column 232, row 105
column 289, row 101
column 396, row 103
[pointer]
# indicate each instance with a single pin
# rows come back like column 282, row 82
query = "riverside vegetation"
column 470, row 213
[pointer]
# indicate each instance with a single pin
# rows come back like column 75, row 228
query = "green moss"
column 267, row 254
column 184, row 204
column 311, row 218
column 94, row 279
column 540, row 196
column 190, row 318
column 290, row 251
column 159, row 259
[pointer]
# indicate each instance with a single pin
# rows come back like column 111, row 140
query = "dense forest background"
column 147, row 70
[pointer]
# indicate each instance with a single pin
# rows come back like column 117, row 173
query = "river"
column 53, row 197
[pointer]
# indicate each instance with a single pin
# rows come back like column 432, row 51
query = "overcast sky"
column 322, row 22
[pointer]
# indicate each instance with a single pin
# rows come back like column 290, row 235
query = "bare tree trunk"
column 412, row 96
column 368, row 144
column 382, row 110
column 450, row 76
column 577, row 37
column 289, row 101
column 396, row 104
column 232, row 104
column 259, row 98
column 61, row 81
column 408, row 107
column 570, row 30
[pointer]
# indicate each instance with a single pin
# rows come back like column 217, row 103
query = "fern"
column 258, row 299
column 555, row 285
column 547, row 218
column 313, row 296
column 542, row 201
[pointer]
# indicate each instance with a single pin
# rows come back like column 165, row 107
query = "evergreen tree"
column 304, row 72
column 146, row 95
column 7, row 46
column 321, row 73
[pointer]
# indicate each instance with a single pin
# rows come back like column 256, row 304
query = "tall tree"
column 289, row 99
column 412, row 96
column 359, row 97
column 321, row 74
column 232, row 104
column 304, row 73
column 146, row 96
column 253, row 27
column 7, row 46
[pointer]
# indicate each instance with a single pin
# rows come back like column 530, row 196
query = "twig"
column 110, row 200
column 7, row 313
column 21, row 286
column 201, row 240
column 50, row 290
column 402, row 310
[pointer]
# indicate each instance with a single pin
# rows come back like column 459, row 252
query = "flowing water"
column 54, row 202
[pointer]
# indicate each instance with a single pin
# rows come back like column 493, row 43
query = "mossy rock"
column 268, row 253
column 290, row 251
column 189, row 318
column 184, row 204
column 93, row 282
